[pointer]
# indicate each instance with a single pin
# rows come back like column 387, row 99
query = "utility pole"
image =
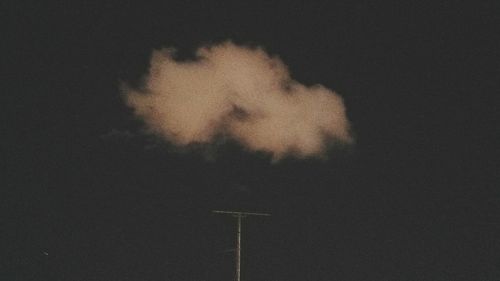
column 239, row 216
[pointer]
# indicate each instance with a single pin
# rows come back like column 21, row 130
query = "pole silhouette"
column 239, row 216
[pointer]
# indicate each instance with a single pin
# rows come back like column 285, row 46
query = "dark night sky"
column 86, row 196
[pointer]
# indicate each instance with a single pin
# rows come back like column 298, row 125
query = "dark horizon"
column 88, row 195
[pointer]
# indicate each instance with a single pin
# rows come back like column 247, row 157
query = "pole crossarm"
column 239, row 216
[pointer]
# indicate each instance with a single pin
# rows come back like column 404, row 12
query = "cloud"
column 238, row 93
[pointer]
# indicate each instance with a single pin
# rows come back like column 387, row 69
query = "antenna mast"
column 239, row 216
